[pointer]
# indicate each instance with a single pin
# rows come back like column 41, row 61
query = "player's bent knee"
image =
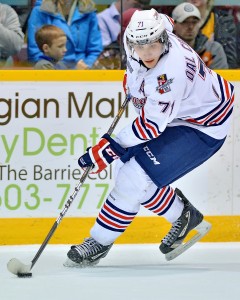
column 131, row 185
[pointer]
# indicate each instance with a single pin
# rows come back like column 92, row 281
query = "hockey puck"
column 24, row 275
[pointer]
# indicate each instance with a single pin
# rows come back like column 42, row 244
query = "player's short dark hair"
column 46, row 34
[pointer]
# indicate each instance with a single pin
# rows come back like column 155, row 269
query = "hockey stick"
column 17, row 267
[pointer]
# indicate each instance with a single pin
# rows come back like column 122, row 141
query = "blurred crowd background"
column 86, row 34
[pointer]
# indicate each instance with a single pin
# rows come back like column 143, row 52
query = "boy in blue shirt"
column 51, row 40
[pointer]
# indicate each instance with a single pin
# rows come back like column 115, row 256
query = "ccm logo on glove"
column 110, row 152
column 101, row 155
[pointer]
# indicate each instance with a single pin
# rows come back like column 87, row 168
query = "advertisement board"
column 47, row 122
column 45, row 127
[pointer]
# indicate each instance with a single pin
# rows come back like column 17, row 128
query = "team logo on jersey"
column 139, row 102
column 164, row 84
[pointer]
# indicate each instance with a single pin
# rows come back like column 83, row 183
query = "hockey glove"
column 101, row 155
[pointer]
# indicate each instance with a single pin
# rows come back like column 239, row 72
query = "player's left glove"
column 101, row 155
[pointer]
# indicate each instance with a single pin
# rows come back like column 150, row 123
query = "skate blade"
column 202, row 229
column 71, row 264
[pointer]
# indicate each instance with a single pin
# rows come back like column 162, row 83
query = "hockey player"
column 184, row 111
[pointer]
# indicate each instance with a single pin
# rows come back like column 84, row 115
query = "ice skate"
column 172, row 244
column 86, row 254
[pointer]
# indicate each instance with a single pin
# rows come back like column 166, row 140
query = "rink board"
column 24, row 231
column 223, row 209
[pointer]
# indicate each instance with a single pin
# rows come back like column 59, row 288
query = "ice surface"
column 133, row 272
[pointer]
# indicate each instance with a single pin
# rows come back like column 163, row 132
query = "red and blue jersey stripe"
column 145, row 129
column 222, row 111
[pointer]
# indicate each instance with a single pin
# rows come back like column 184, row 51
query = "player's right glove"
column 101, row 155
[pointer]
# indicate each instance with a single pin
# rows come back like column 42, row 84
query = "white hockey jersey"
column 179, row 90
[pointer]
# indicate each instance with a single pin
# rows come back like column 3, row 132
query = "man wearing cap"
column 187, row 26
column 109, row 20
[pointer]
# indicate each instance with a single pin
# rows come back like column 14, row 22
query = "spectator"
column 187, row 24
column 11, row 35
column 218, row 25
column 110, row 19
column 109, row 59
column 113, row 56
column 51, row 40
column 78, row 20
column 37, row 2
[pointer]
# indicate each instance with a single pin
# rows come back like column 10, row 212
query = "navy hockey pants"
column 177, row 151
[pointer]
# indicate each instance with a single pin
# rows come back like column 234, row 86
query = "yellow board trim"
column 77, row 75
column 64, row 75
column 23, row 231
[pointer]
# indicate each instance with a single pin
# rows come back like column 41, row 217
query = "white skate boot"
column 86, row 254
